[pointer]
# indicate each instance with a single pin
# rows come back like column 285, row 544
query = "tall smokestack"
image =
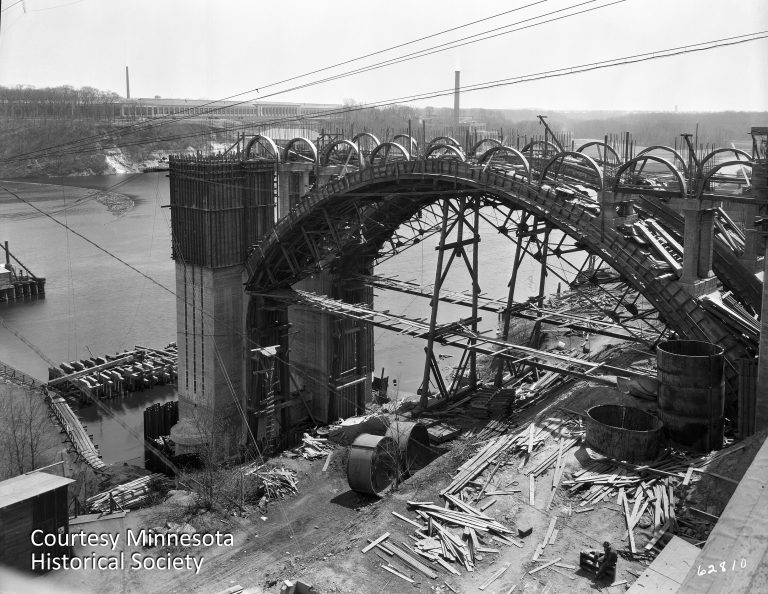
column 456, row 98
column 127, row 84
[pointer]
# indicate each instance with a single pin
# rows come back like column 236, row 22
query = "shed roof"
column 26, row 486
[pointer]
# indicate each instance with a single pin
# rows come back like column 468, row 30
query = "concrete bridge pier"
column 698, row 244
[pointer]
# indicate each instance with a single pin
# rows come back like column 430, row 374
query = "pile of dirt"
column 711, row 493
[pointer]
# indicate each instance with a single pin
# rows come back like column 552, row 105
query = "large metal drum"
column 413, row 443
column 691, row 393
column 623, row 432
column 372, row 463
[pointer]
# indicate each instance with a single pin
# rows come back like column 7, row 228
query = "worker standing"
column 606, row 568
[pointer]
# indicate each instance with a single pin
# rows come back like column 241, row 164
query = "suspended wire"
column 520, row 79
column 163, row 120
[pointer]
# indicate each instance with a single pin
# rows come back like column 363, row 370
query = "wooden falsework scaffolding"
column 456, row 334
column 459, row 223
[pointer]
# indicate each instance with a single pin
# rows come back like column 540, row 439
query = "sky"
column 215, row 49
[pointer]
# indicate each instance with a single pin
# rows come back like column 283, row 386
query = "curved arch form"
column 405, row 155
column 264, row 141
column 357, row 137
column 287, row 150
column 324, row 157
column 718, row 151
column 704, row 180
column 669, row 149
column 413, row 146
column 581, row 156
column 449, row 151
column 487, row 156
column 606, row 147
column 285, row 259
column 632, row 162
column 528, row 148
column 479, row 143
column 449, row 140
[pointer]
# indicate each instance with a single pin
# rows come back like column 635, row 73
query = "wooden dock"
column 75, row 431
column 115, row 375
column 18, row 282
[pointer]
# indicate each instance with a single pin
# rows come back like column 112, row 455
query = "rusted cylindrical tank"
column 412, row 441
column 372, row 463
column 691, row 393
column 623, row 432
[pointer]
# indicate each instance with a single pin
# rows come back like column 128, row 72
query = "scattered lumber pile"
column 457, row 534
column 312, row 448
column 277, row 483
column 125, row 496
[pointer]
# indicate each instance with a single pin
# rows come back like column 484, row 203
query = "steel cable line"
column 171, row 119
column 556, row 73
column 414, row 55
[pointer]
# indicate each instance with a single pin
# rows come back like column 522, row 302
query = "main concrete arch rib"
column 283, row 258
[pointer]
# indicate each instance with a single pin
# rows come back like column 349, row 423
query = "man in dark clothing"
column 606, row 568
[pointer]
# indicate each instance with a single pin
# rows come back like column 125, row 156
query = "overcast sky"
column 218, row 48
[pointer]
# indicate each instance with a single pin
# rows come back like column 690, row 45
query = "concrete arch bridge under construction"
column 276, row 250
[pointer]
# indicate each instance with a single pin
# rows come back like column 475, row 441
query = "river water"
column 95, row 303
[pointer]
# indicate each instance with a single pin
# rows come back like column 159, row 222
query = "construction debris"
column 126, row 496
column 277, row 483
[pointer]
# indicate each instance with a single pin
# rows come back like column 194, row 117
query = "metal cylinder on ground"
column 372, row 464
column 623, row 432
column 412, row 441
column 691, row 393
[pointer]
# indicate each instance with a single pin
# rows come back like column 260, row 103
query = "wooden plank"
column 718, row 476
column 628, row 518
column 531, row 429
column 551, row 527
column 327, row 461
column 565, row 566
column 661, row 532
column 581, row 511
column 488, row 504
column 545, row 565
column 688, row 476
column 531, row 489
column 397, row 515
column 554, row 568
column 494, row 577
column 381, row 538
column 554, row 537
column 395, row 572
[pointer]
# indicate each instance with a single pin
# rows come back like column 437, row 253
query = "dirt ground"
column 317, row 535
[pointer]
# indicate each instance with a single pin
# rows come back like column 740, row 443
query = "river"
column 96, row 304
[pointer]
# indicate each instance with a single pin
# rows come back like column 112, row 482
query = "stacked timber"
column 125, row 496
column 115, row 375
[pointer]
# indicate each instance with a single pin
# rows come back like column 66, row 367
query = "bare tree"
column 25, row 431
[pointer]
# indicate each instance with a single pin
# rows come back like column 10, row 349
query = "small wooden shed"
column 34, row 501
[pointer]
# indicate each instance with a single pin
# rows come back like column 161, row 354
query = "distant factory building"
column 157, row 107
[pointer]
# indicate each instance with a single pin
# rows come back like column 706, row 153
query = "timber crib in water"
column 25, row 288
column 118, row 375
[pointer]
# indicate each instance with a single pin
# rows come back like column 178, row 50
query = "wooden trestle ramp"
column 75, row 432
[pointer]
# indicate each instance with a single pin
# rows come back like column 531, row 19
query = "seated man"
column 606, row 568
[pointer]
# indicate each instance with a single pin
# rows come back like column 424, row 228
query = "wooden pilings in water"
column 23, row 289
column 117, row 375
